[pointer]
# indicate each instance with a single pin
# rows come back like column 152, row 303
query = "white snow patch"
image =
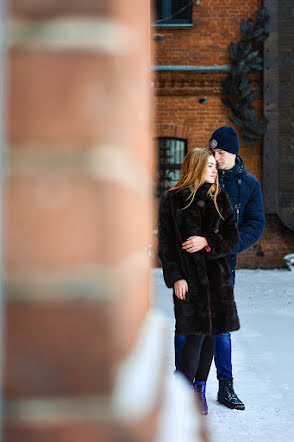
column 263, row 358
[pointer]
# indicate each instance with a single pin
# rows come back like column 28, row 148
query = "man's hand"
column 194, row 244
column 180, row 288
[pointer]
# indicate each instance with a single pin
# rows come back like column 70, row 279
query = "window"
column 173, row 12
column 171, row 153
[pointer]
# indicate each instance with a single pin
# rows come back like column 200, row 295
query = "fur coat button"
column 200, row 203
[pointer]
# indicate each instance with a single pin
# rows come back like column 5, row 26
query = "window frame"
column 174, row 166
column 173, row 22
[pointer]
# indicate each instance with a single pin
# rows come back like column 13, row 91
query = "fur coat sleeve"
column 167, row 247
column 223, row 235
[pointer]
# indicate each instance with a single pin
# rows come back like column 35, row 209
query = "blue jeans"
column 223, row 344
column 223, row 356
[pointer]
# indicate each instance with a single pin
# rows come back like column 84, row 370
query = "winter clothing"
column 225, row 138
column 228, row 397
column 246, row 198
column 245, row 195
column 196, row 357
column 199, row 388
column 209, row 307
column 223, row 356
column 179, row 342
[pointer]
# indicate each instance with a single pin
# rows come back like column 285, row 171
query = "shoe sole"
column 232, row 406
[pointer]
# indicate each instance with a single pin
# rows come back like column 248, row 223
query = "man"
column 246, row 198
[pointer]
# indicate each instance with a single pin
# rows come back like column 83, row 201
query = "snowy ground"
column 263, row 358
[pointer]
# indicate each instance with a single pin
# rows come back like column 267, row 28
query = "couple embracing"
column 214, row 212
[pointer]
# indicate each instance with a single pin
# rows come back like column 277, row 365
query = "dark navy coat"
column 246, row 198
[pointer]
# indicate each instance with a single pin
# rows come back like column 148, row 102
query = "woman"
column 197, row 230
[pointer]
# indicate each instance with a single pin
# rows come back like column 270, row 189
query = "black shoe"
column 228, row 397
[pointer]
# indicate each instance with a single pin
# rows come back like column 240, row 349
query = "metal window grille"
column 171, row 153
column 173, row 11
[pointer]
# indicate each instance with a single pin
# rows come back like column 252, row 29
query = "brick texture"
column 276, row 242
column 33, row 9
column 73, row 106
column 70, row 431
column 188, row 104
column 42, row 344
column 185, row 117
column 215, row 24
column 67, row 208
column 59, row 96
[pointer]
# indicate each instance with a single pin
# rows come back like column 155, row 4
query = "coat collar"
column 237, row 170
column 201, row 193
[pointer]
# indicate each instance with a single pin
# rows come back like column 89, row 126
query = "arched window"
column 171, row 153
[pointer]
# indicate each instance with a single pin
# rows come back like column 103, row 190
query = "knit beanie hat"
column 225, row 138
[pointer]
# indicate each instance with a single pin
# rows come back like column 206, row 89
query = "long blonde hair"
column 192, row 175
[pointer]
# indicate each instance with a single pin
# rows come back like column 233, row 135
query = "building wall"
column 188, row 104
column 286, row 112
column 215, row 24
column 79, row 165
column 179, row 112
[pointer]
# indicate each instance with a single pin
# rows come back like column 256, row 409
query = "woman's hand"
column 180, row 288
column 194, row 244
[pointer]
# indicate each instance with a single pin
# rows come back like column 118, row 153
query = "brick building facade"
column 191, row 62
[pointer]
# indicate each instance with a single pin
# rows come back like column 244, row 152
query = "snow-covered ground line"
column 263, row 358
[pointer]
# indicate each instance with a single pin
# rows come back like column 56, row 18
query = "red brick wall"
column 74, row 260
column 184, row 117
column 178, row 113
column 276, row 242
column 215, row 24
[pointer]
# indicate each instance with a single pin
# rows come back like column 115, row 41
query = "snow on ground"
column 263, row 358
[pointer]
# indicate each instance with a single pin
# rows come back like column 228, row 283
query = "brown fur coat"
column 209, row 307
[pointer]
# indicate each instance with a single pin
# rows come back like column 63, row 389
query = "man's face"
column 224, row 160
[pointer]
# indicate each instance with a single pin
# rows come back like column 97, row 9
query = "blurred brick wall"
column 77, row 213
column 179, row 113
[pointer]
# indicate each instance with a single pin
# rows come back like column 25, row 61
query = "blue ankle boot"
column 199, row 388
